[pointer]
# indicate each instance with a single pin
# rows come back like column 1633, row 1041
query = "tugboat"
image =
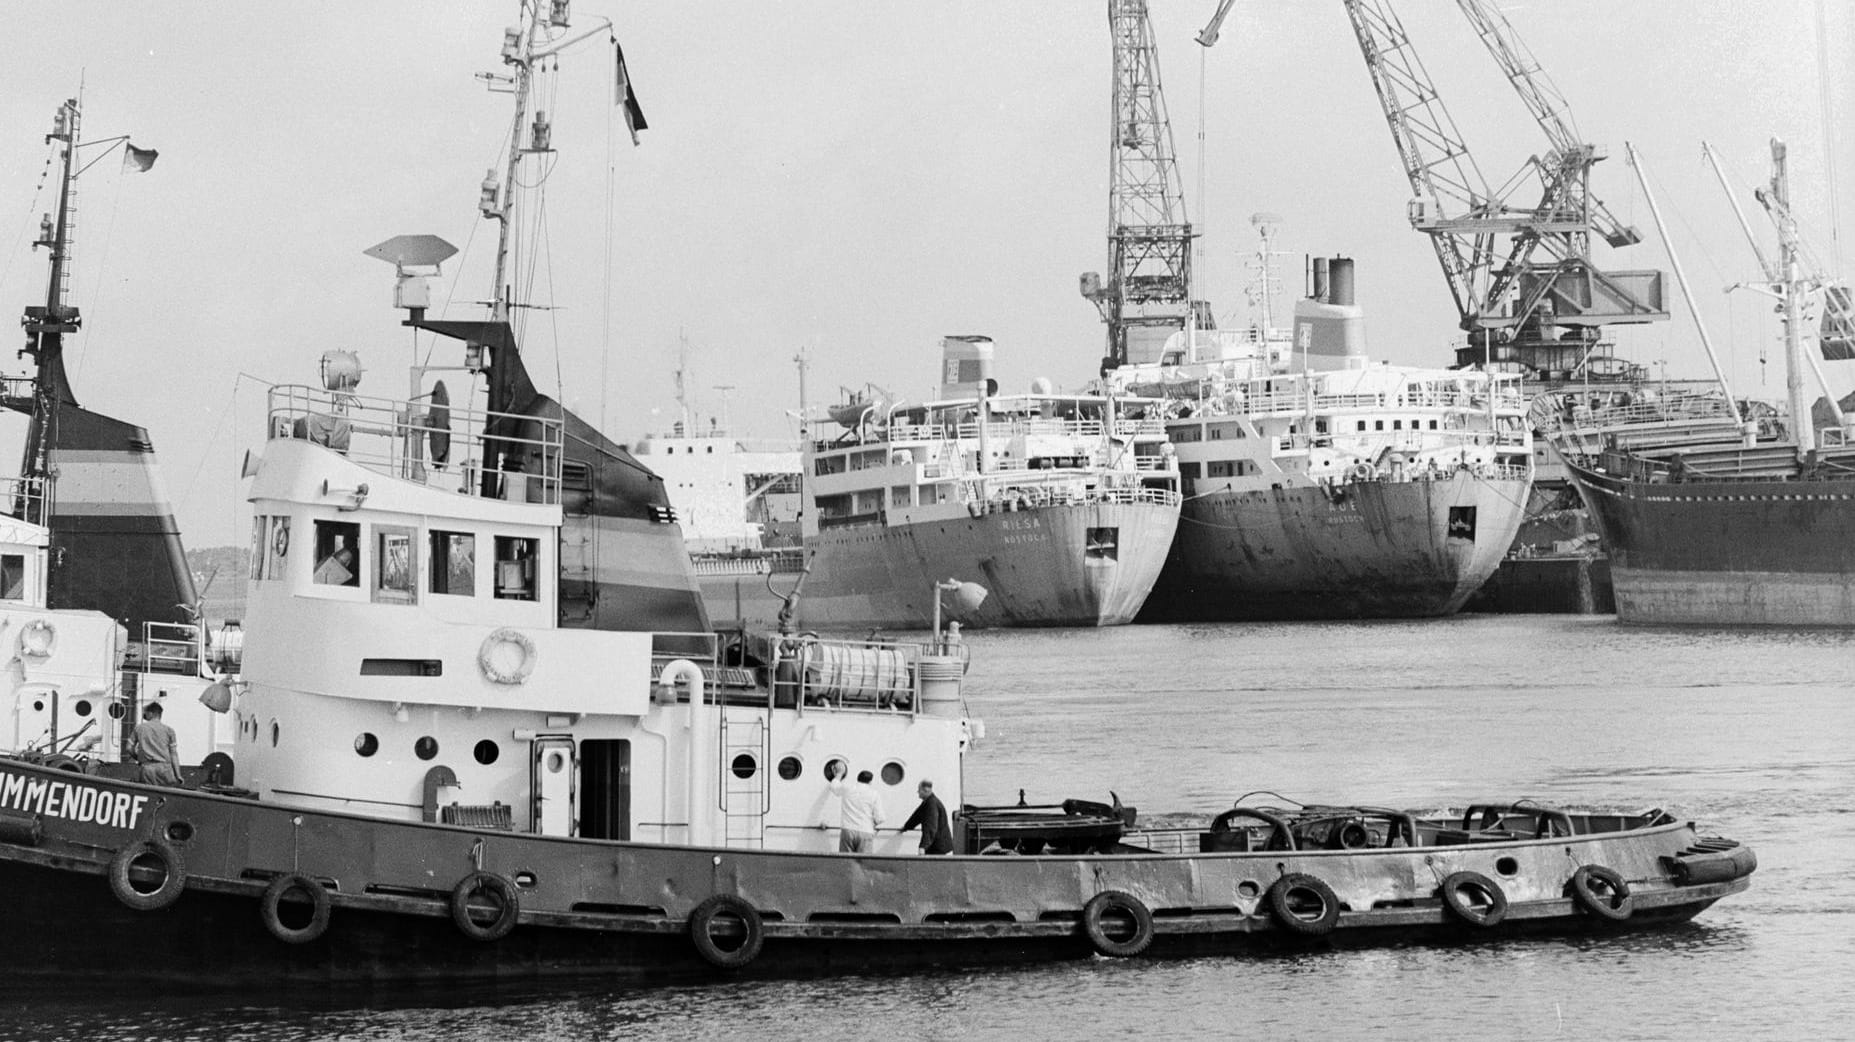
column 97, row 604
column 457, row 773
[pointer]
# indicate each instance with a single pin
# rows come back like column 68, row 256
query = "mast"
column 1791, row 291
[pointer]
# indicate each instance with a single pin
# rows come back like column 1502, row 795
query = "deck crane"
column 1522, row 277
column 1148, row 292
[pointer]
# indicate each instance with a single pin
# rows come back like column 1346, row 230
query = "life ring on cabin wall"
column 507, row 656
column 149, row 853
column 270, row 909
column 1602, row 892
column 1114, row 912
column 500, row 891
column 702, row 933
column 1460, row 890
column 38, row 639
column 280, row 542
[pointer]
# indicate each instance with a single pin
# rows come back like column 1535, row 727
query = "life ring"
column 38, row 639
column 1109, row 910
column 1613, row 903
column 1289, row 902
column 280, row 543
column 507, row 656
column 165, row 857
column 1459, row 891
column 1361, row 472
column 269, row 909
column 701, row 932
column 501, row 891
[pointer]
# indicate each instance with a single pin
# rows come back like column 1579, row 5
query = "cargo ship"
column 1712, row 517
column 1319, row 485
column 1063, row 505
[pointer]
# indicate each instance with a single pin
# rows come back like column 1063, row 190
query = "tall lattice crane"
column 1522, row 277
column 1148, row 292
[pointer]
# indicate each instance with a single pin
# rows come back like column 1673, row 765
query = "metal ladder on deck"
column 744, row 800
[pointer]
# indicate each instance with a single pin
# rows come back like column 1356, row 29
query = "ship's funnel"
column 1330, row 332
column 966, row 366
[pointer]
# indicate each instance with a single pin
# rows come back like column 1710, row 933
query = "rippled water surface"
column 1751, row 734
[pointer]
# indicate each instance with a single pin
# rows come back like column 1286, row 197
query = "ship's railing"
column 764, row 562
column 1566, row 414
column 399, row 439
column 172, row 647
column 806, row 672
column 24, row 498
column 1015, row 499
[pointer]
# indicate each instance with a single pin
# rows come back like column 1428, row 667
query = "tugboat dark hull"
column 169, row 886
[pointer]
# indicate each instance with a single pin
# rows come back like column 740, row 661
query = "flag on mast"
column 634, row 114
column 137, row 158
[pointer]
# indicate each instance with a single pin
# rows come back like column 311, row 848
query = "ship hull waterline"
column 1727, row 553
column 1042, row 566
column 626, row 911
column 1373, row 549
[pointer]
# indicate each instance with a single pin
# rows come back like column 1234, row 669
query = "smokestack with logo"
column 966, row 367
column 1329, row 327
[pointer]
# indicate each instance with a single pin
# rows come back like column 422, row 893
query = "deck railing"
column 401, row 439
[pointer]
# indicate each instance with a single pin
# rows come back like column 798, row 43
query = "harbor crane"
column 1147, row 295
column 1524, row 285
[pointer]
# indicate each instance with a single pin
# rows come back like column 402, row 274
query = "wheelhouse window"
column 515, row 568
column 338, row 553
column 12, row 577
column 396, row 567
column 454, row 563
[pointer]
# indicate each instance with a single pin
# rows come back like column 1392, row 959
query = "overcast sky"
column 852, row 177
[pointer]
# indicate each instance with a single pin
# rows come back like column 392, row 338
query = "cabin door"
column 605, row 788
column 553, row 780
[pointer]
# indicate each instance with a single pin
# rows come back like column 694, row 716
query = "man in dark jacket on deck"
column 931, row 815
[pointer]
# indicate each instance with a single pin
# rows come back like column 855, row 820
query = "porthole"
column 84, row 707
column 790, row 768
column 179, row 831
column 892, row 773
column 425, row 748
column 744, row 766
column 486, row 752
column 835, row 768
column 117, row 711
column 366, row 744
column 556, row 762
column 276, row 732
column 39, row 706
column 527, row 880
column 1506, row 866
column 1249, row 890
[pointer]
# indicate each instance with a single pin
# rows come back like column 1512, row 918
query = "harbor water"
column 1752, row 734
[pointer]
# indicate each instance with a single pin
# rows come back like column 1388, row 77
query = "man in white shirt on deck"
column 856, row 832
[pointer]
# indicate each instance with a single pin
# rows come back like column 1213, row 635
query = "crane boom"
column 1521, row 276
column 1148, row 292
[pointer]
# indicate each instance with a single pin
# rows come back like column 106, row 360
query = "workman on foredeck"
column 156, row 748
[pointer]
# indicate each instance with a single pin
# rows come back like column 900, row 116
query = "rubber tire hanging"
column 508, row 911
column 702, row 921
column 1290, row 919
column 173, row 880
column 319, row 909
column 1101, row 911
column 1459, row 905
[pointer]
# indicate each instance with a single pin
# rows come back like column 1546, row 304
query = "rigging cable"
column 1829, row 133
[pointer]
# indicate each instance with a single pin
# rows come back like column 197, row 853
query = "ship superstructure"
column 1063, row 505
column 1320, row 485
